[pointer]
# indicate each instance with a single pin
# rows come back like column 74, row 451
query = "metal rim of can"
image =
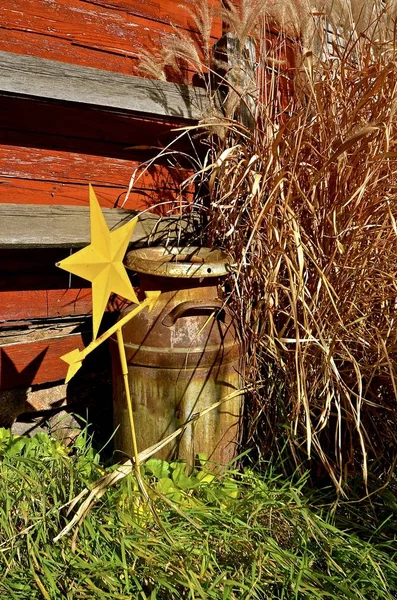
column 189, row 262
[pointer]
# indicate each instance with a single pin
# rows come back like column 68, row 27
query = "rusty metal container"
column 182, row 357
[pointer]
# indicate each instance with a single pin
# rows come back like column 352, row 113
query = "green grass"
column 245, row 535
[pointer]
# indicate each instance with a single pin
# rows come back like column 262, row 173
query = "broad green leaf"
column 157, row 467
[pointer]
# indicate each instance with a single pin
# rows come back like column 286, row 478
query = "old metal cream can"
column 183, row 357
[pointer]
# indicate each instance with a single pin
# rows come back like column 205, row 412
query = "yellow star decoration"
column 102, row 262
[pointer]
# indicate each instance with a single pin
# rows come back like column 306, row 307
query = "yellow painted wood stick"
column 75, row 358
column 124, row 370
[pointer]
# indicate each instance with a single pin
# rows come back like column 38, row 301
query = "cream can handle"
column 184, row 307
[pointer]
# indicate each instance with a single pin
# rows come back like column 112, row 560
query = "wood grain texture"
column 57, row 81
column 26, row 306
column 107, row 34
column 53, row 170
column 42, row 226
column 18, row 306
column 27, row 191
column 29, row 362
column 50, row 152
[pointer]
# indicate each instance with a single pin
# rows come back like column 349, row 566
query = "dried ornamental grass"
column 305, row 201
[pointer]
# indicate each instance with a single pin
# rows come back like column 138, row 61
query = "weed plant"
column 298, row 181
column 242, row 535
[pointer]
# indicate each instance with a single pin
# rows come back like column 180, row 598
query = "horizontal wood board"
column 33, row 292
column 107, row 34
column 17, row 307
column 34, row 77
column 31, row 175
column 42, row 226
column 26, row 363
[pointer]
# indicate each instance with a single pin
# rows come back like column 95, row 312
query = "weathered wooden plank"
column 77, row 167
column 108, row 35
column 61, row 177
column 26, row 306
column 25, row 362
column 57, row 81
column 18, row 306
column 50, row 152
column 165, row 11
column 39, row 333
column 42, row 226
column 27, row 191
column 155, row 185
column 31, row 43
column 24, row 190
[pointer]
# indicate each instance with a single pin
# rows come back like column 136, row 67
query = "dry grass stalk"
column 306, row 202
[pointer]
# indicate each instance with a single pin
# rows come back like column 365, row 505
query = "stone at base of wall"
column 42, row 409
column 25, row 400
column 62, row 426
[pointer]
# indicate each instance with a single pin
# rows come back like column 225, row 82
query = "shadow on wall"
column 56, row 407
column 15, row 385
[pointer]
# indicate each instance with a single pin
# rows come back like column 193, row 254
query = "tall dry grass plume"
column 304, row 197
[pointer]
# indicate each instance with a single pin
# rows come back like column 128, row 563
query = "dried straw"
column 305, row 200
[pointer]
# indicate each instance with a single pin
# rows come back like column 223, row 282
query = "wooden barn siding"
column 50, row 176
column 27, row 363
column 48, row 154
column 36, row 304
column 42, row 307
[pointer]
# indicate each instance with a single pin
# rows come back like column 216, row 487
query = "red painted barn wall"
column 48, row 155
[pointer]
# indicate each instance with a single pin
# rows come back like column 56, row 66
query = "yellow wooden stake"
column 124, row 370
